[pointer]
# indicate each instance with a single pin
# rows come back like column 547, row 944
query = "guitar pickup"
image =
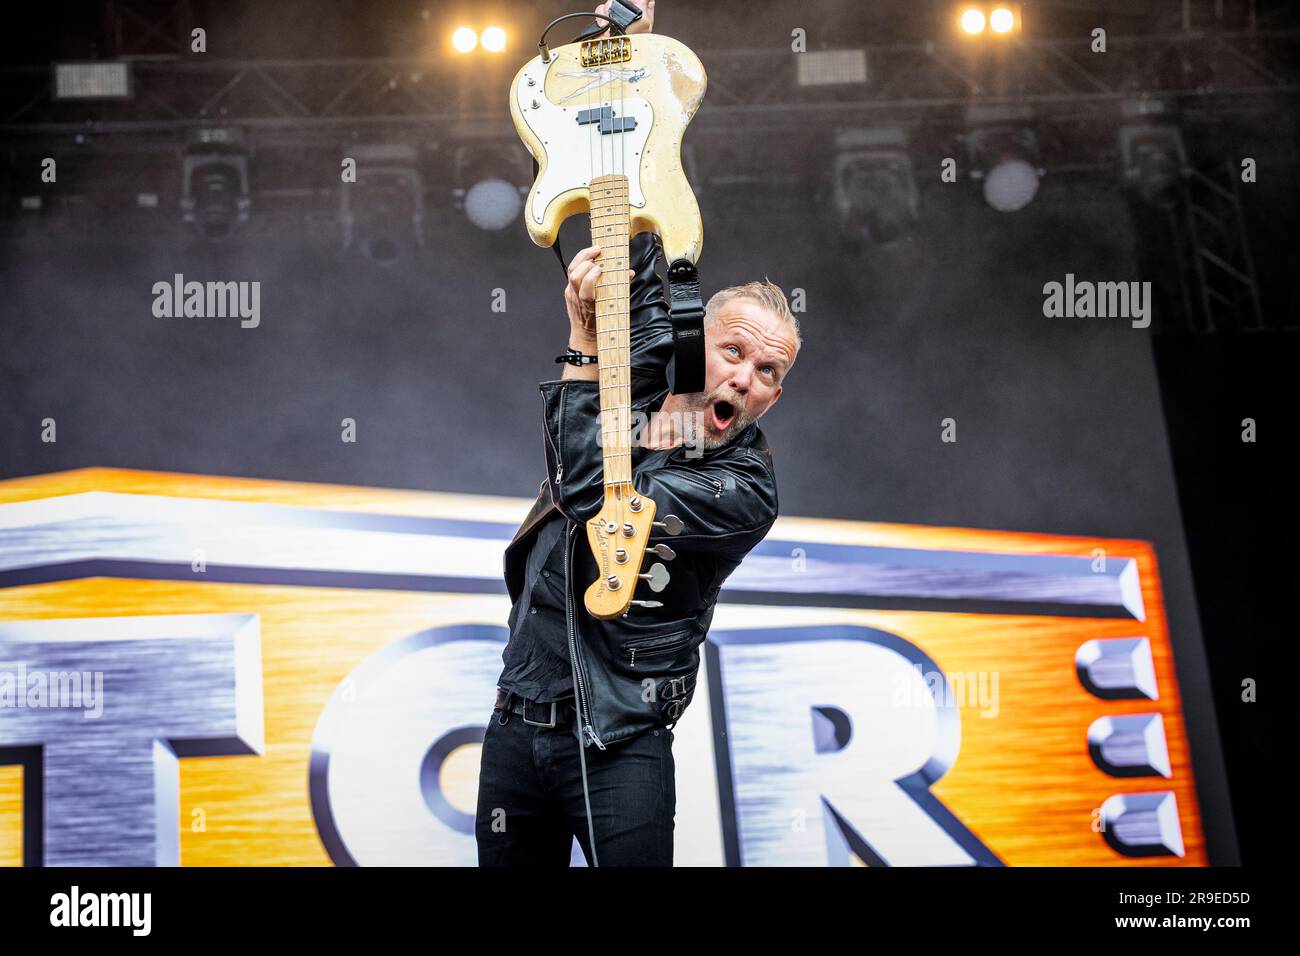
column 609, row 123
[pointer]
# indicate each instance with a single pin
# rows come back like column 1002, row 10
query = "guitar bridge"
column 605, row 52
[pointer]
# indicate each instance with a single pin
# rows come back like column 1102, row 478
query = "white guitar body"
column 569, row 171
column 625, row 113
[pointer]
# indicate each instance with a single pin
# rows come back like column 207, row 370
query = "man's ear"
column 779, row 390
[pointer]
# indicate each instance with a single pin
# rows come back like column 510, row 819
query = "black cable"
column 611, row 23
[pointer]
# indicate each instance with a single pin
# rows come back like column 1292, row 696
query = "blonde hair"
column 765, row 293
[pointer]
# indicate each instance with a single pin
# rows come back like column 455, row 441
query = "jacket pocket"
column 712, row 484
column 657, row 645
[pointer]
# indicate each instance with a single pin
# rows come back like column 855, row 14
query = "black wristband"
column 574, row 357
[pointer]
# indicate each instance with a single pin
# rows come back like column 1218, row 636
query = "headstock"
column 619, row 535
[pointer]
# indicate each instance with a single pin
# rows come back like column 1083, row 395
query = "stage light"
column 383, row 211
column 1004, row 155
column 489, row 181
column 873, row 189
column 1152, row 155
column 214, row 188
column 972, row 21
column 1011, row 185
column 92, row 81
column 830, row 67
column 983, row 20
column 1154, row 161
column 493, row 204
column 493, row 39
column 464, row 40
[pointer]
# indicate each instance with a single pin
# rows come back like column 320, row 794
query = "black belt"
column 552, row 714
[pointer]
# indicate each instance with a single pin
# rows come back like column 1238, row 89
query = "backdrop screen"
column 208, row 670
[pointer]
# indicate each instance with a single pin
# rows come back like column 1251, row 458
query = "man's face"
column 747, row 353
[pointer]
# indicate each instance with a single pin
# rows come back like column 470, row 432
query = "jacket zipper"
column 657, row 648
column 559, row 465
column 713, row 483
column 583, row 709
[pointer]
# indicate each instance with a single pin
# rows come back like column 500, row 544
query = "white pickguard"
column 583, row 151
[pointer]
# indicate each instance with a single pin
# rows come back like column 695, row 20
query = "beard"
column 702, row 428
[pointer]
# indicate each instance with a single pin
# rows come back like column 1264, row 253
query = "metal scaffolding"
column 748, row 89
column 1216, row 270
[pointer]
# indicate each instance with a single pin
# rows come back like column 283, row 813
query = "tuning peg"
column 671, row 524
column 657, row 578
column 640, row 603
column 664, row 552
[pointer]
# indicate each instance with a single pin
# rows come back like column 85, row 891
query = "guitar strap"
column 686, row 309
column 621, row 13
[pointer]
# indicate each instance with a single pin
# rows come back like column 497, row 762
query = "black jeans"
column 530, row 803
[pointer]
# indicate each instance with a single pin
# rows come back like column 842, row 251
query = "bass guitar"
column 604, row 120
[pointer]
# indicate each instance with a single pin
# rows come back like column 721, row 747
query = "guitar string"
column 609, row 279
column 625, row 391
column 595, row 95
column 619, row 477
column 616, row 140
column 625, row 226
column 616, row 279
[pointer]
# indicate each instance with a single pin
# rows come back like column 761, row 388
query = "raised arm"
column 651, row 329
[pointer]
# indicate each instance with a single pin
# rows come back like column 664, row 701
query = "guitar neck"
column 609, row 231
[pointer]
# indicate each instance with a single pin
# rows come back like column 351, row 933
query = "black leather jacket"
column 639, row 671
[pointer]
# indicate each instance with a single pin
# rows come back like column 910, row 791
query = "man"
column 580, row 740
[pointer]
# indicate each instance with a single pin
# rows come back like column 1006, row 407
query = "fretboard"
column 609, row 231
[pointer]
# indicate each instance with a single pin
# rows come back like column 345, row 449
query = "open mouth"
column 723, row 413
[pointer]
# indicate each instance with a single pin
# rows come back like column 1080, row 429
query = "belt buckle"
column 538, row 723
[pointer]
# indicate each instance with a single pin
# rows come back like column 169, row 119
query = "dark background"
column 1070, row 426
